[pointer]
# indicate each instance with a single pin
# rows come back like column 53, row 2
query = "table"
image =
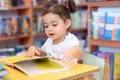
column 75, row 72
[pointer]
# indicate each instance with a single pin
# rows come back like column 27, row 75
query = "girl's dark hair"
column 63, row 10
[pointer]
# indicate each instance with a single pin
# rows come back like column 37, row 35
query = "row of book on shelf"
column 38, row 23
column 14, row 26
column 105, row 25
column 79, row 19
column 6, row 3
column 39, row 2
column 43, row 2
column 91, row 0
column 112, row 65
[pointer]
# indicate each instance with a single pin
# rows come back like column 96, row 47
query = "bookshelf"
column 95, row 43
column 29, row 10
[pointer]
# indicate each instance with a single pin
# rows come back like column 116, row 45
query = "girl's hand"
column 32, row 51
column 68, row 56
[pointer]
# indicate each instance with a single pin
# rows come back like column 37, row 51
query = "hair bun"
column 72, row 6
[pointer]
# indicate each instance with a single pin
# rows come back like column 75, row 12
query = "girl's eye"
column 46, row 26
column 54, row 25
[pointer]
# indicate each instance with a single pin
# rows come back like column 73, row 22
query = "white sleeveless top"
column 53, row 50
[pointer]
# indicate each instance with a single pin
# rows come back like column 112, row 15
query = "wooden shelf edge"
column 78, row 30
column 40, row 34
column 104, row 3
column 13, row 8
column 83, row 4
column 38, row 7
column 107, row 43
column 14, row 37
column 18, row 8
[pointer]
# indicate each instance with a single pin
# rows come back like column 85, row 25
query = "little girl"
column 60, row 44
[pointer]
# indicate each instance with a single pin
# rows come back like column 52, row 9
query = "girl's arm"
column 70, row 54
column 76, row 51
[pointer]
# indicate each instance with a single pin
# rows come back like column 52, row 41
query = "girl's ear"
column 68, row 23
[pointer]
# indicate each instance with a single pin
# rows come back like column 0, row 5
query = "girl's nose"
column 49, row 28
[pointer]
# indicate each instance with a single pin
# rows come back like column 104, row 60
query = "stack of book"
column 6, row 3
column 112, row 66
column 105, row 25
column 14, row 26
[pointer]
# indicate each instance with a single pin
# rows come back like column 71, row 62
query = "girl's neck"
column 59, row 40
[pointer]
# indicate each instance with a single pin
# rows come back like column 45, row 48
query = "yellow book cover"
column 35, row 65
column 116, row 66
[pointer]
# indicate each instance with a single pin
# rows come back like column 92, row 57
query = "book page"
column 39, row 66
column 14, row 59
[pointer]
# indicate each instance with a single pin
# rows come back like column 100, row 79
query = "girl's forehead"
column 51, row 17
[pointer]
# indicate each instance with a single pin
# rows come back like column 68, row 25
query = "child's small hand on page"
column 32, row 51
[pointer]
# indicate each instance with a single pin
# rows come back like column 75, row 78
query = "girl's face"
column 55, row 27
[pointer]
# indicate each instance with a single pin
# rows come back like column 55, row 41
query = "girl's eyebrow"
column 53, row 22
column 44, row 23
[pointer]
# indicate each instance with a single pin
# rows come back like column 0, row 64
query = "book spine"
column 107, row 67
column 116, row 66
column 111, row 65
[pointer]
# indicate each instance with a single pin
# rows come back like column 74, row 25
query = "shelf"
column 38, row 7
column 13, row 8
column 107, row 43
column 106, row 3
column 83, row 4
column 78, row 30
column 14, row 37
column 17, row 8
column 40, row 34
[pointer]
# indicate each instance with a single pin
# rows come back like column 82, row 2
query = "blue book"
column 20, row 2
column 110, row 19
column 91, row 30
column 95, row 52
column 91, row 26
column 20, row 21
column 118, row 35
column 108, row 31
column 111, row 65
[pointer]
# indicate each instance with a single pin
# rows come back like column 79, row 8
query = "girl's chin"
column 52, row 38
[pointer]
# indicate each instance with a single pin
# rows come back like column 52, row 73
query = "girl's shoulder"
column 71, row 36
column 49, row 40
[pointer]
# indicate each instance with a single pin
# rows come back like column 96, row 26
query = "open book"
column 33, row 66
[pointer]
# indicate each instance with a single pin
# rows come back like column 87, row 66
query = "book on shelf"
column 112, row 65
column 107, row 67
column 116, row 66
column 35, row 65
